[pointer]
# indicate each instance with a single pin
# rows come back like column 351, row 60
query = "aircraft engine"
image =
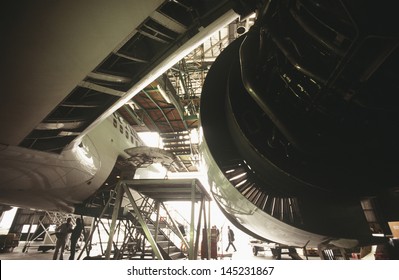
column 300, row 121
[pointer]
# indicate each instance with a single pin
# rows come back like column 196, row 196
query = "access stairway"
column 168, row 249
column 135, row 228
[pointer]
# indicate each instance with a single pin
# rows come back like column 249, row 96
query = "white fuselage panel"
column 37, row 179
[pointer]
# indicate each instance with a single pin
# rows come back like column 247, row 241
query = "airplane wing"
column 70, row 65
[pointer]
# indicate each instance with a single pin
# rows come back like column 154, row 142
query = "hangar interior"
column 289, row 109
column 169, row 106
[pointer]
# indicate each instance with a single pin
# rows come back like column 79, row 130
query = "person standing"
column 76, row 233
column 217, row 233
column 230, row 235
column 62, row 234
column 214, row 242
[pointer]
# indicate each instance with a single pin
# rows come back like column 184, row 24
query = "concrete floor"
column 244, row 252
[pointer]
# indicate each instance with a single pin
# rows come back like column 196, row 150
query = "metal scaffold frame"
column 131, row 217
column 39, row 224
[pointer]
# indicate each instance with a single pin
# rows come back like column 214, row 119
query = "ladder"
column 135, row 230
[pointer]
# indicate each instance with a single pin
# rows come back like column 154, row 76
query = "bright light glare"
column 194, row 136
column 151, row 139
column 6, row 220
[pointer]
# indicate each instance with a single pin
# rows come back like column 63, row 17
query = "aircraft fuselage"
column 57, row 181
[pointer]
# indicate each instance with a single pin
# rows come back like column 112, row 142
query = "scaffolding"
column 130, row 216
column 36, row 228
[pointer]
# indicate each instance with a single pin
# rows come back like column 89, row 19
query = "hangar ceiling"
column 170, row 104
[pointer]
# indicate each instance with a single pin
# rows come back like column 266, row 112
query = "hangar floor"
column 244, row 252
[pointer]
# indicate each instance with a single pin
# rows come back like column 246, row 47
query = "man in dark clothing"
column 62, row 233
column 230, row 235
column 77, row 231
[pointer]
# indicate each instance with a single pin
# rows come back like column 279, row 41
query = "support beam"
column 115, row 212
column 159, row 108
column 191, row 255
column 209, row 231
column 143, row 224
column 198, row 229
column 94, row 226
column 176, row 227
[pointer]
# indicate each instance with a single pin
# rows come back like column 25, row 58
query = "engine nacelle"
column 300, row 121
